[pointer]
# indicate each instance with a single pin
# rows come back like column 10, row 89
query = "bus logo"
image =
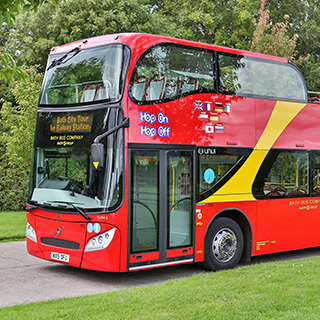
column 59, row 232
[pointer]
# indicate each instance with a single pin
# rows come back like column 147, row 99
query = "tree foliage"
column 72, row 20
column 16, row 141
column 221, row 22
column 30, row 28
column 273, row 38
column 9, row 9
column 304, row 21
column 9, row 70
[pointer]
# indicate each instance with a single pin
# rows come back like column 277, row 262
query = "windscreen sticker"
column 96, row 228
column 209, row 176
column 90, row 227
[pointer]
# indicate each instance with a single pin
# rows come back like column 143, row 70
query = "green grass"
column 277, row 290
column 12, row 226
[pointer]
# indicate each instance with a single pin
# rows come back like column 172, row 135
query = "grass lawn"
column 12, row 226
column 277, row 290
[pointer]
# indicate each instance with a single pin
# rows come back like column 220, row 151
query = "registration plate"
column 60, row 256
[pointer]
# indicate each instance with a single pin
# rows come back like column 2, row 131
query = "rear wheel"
column 224, row 245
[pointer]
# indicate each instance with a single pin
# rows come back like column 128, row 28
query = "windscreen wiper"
column 73, row 204
column 55, row 62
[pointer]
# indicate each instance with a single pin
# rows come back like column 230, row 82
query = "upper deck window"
column 84, row 76
column 241, row 75
column 167, row 71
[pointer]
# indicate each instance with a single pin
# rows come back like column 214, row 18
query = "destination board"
column 72, row 128
column 77, row 123
column 68, row 129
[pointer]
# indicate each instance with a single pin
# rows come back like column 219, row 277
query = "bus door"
column 161, row 208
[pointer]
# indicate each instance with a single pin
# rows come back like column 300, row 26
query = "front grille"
column 60, row 243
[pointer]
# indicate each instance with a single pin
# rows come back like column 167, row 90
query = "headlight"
column 100, row 241
column 30, row 233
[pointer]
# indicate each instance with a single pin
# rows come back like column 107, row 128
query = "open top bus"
column 152, row 151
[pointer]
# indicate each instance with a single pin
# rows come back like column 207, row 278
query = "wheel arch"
column 242, row 220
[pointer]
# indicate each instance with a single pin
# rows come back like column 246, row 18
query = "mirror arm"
column 124, row 124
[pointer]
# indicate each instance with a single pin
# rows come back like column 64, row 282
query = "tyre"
column 224, row 245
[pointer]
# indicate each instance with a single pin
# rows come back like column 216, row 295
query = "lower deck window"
column 283, row 174
column 216, row 167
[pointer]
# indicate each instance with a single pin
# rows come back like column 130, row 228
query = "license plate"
column 60, row 256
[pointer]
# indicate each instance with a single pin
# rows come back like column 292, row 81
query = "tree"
column 221, row 22
column 304, row 21
column 72, row 20
column 273, row 38
column 10, row 8
column 8, row 67
column 16, row 141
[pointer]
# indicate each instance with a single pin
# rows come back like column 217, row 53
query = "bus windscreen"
column 85, row 76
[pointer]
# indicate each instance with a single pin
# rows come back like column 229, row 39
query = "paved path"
column 26, row 279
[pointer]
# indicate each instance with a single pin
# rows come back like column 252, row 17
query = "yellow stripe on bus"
column 282, row 114
column 239, row 187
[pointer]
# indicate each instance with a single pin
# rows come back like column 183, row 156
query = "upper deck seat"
column 139, row 87
column 172, row 88
column 101, row 93
column 88, row 94
column 156, row 87
column 190, row 84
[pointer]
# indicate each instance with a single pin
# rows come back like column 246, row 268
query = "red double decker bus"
column 152, row 151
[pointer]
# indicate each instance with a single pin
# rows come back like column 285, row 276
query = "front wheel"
column 224, row 245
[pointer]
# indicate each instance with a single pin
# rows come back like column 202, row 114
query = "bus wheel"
column 224, row 245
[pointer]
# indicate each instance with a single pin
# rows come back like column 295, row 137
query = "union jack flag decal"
column 198, row 105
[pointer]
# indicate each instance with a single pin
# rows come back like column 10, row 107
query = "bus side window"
column 173, row 71
column 283, row 174
column 172, row 88
column 216, row 167
column 229, row 67
column 240, row 75
column 315, row 174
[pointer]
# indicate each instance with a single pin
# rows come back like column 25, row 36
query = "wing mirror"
column 97, row 148
column 97, row 155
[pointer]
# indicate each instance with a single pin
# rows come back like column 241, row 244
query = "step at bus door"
column 161, row 207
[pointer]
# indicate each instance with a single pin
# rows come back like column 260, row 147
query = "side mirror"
column 97, row 155
column 97, row 149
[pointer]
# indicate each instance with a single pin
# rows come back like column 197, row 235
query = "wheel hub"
column 224, row 245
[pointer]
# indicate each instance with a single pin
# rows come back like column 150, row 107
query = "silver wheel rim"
column 224, row 245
